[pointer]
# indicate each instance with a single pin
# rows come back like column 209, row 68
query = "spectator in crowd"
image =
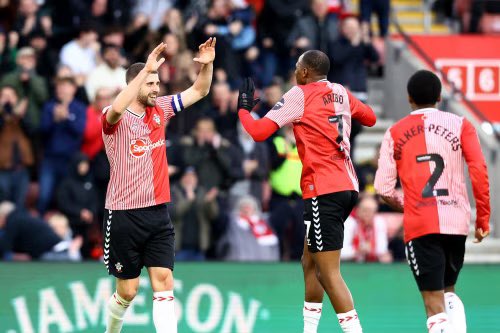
column 484, row 16
column 24, row 237
column 81, row 54
column 109, row 73
column 250, row 167
column 221, row 110
column 173, row 23
column 379, row 7
column 8, row 50
column 275, row 55
column 208, row 152
column 65, row 71
column 46, row 56
column 28, row 83
column 77, row 199
column 286, row 206
column 60, row 225
column 30, row 19
column 92, row 142
column 232, row 26
column 114, row 35
column 316, row 31
column 178, row 69
column 16, row 154
column 63, row 123
column 365, row 238
column 194, row 211
column 366, row 173
column 138, row 39
column 248, row 236
column 349, row 55
column 272, row 95
column 153, row 11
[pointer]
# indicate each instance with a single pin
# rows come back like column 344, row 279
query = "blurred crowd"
column 472, row 16
column 63, row 61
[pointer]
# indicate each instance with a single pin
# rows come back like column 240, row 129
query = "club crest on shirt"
column 156, row 119
column 134, row 127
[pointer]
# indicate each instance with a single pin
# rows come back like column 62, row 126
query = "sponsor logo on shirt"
column 139, row 147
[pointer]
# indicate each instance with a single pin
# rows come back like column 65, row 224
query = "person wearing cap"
column 109, row 74
column 62, row 126
column 28, row 83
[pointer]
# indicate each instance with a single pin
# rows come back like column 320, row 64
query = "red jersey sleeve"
column 170, row 105
column 387, row 173
column 108, row 128
column 478, row 174
column 360, row 111
column 289, row 109
column 260, row 129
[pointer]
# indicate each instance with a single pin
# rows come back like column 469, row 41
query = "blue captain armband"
column 176, row 102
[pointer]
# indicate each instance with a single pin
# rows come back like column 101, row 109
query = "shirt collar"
column 425, row 110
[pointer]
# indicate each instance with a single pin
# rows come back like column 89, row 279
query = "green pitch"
column 227, row 298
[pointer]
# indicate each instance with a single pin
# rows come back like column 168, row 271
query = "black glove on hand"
column 245, row 98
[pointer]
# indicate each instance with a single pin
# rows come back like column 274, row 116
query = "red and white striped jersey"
column 137, row 156
column 426, row 150
column 321, row 114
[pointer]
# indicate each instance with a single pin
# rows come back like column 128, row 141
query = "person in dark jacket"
column 315, row 31
column 77, row 199
column 16, row 154
column 194, row 211
column 249, row 167
column 349, row 55
column 275, row 23
column 63, row 123
column 22, row 236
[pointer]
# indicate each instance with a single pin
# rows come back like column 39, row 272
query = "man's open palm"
column 206, row 54
column 152, row 64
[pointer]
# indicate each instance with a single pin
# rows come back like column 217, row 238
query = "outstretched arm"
column 361, row 112
column 127, row 95
column 290, row 109
column 201, row 86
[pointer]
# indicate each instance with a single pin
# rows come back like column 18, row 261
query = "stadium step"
column 411, row 16
column 369, row 140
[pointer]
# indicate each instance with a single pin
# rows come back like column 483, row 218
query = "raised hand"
column 206, row 53
column 152, row 63
column 246, row 96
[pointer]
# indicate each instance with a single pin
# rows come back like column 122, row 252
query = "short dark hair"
column 133, row 70
column 424, row 88
column 66, row 79
column 316, row 61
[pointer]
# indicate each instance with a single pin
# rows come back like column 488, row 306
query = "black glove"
column 245, row 98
